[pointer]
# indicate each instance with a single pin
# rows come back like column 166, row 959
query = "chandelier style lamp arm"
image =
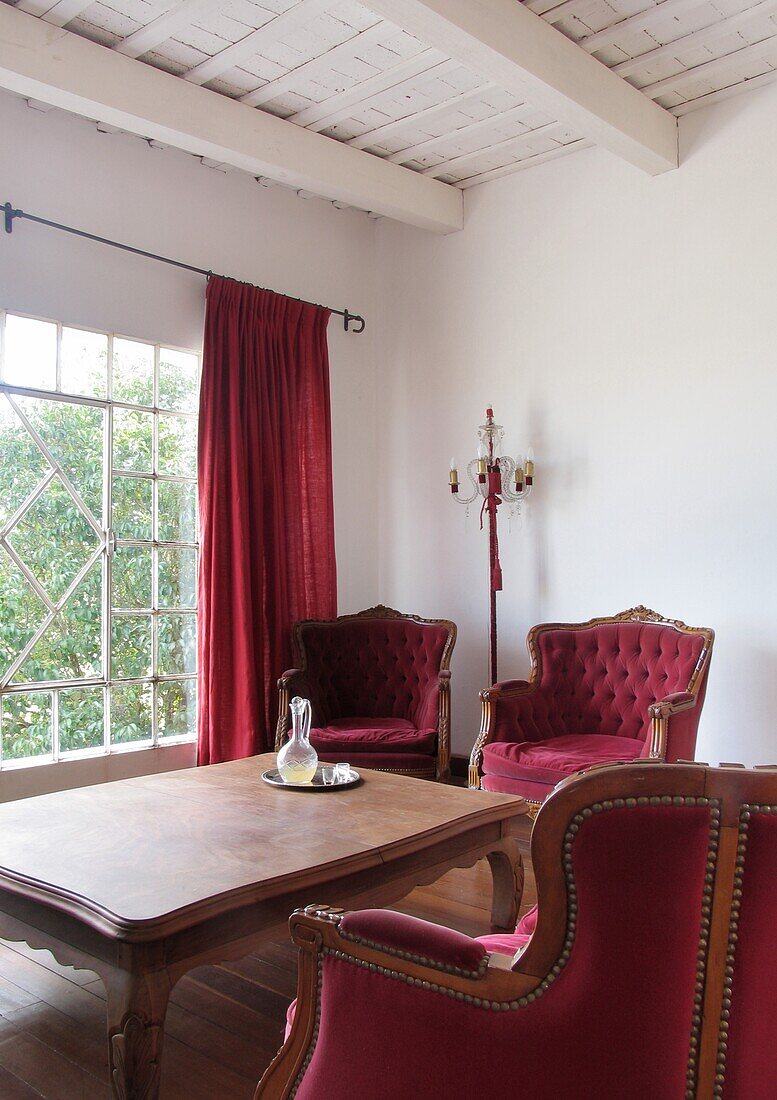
column 497, row 479
column 471, row 471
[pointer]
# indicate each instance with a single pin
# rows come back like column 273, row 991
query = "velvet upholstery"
column 616, row 1022
column 378, row 683
column 598, row 692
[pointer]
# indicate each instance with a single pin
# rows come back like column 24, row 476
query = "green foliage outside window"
column 53, row 558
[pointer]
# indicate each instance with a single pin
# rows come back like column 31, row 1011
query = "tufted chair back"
column 378, row 664
column 603, row 678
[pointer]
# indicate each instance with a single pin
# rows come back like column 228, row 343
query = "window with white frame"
column 98, row 542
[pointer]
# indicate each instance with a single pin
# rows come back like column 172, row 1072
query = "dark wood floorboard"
column 224, row 1024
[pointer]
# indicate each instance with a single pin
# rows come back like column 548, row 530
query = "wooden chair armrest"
column 507, row 689
column 490, row 699
column 660, row 713
column 673, row 704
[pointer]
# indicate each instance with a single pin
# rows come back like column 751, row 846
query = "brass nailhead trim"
column 745, row 813
column 422, row 960
column 566, row 951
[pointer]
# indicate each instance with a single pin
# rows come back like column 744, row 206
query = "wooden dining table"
column 143, row 879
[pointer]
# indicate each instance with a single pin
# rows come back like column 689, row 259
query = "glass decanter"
column 298, row 760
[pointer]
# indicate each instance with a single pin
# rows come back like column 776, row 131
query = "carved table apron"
column 143, row 879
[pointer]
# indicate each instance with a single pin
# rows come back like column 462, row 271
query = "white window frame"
column 107, row 545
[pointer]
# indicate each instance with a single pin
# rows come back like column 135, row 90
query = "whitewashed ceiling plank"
column 163, row 27
column 320, row 115
column 437, row 144
column 761, row 81
column 643, row 21
column 712, row 69
column 254, row 42
column 373, row 137
column 285, row 83
column 705, row 37
column 525, row 162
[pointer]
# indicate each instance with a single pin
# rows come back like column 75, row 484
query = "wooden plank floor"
column 224, row 1023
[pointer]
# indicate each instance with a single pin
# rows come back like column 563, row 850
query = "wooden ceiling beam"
column 54, row 66
column 511, row 46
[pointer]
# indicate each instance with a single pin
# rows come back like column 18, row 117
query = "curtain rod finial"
column 349, row 318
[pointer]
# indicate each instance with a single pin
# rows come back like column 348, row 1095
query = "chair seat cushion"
column 507, row 943
column 553, row 760
column 373, row 735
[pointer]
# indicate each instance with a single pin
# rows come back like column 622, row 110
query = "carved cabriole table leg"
column 507, row 874
column 137, row 1003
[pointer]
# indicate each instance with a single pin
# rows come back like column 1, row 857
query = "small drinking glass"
column 342, row 773
column 328, row 776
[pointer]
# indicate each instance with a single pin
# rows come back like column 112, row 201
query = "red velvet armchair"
column 650, row 974
column 609, row 690
column 379, row 686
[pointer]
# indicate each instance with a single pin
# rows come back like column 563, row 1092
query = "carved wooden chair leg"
column 507, row 874
column 137, row 1004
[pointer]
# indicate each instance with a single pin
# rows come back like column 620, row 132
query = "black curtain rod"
column 11, row 213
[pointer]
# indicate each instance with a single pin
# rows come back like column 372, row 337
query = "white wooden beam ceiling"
column 273, row 31
column 158, row 30
column 64, row 70
column 508, row 44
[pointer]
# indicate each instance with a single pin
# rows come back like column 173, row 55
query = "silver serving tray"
column 273, row 777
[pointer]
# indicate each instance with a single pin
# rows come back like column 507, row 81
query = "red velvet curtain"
column 266, row 507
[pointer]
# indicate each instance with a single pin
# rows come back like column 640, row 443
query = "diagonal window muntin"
column 167, row 686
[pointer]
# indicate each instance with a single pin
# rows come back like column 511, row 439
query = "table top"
column 132, row 852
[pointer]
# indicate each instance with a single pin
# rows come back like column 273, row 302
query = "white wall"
column 626, row 326
column 64, row 169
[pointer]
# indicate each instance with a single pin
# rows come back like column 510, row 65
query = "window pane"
column 22, row 464
column 177, row 512
column 21, row 611
column 178, row 378
column 176, row 713
column 177, row 446
column 26, row 725
column 132, row 434
column 131, row 577
column 71, row 647
column 177, row 578
column 177, row 644
column 132, row 508
column 130, row 646
column 130, row 713
column 133, row 372
column 30, row 353
column 74, row 437
column 54, row 540
column 83, row 362
column 81, row 719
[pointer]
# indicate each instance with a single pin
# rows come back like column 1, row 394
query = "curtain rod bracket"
column 9, row 214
